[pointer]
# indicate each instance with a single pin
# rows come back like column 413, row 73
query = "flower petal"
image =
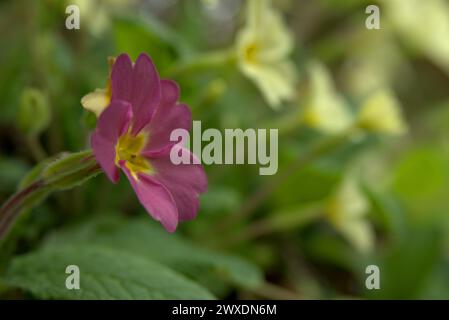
column 170, row 115
column 381, row 113
column 146, row 91
column 360, row 234
column 139, row 85
column 185, row 182
column 104, row 151
column 121, row 78
column 113, row 122
column 325, row 109
column 96, row 101
column 276, row 81
column 266, row 27
column 156, row 199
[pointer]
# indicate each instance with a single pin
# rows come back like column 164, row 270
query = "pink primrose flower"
column 133, row 135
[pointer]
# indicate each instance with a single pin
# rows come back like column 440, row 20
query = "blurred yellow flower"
column 96, row 13
column 346, row 210
column 424, row 25
column 374, row 61
column 99, row 99
column 381, row 113
column 96, row 101
column 263, row 46
column 324, row 108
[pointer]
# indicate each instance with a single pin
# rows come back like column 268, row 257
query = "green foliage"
column 145, row 238
column 134, row 36
column 228, row 251
column 316, row 183
column 420, row 251
column 11, row 171
column 421, row 180
column 105, row 274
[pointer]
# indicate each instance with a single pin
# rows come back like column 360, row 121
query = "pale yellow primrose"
column 263, row 46
column 424, row 25
column 96, row 14
column 381, row 113
column 99, row 99
column 324, row 108
column 346, row 210
column 96, row 101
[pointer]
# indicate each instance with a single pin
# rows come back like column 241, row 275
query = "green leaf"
column 407, row 267
column 220, row 200
column 145, row 238
column 325, row 248
column 387, row 212
column 316, row 182
column 134, row 36
column 421, row 180
column 105, row 273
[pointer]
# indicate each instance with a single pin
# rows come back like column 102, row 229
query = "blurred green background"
column 373, row 199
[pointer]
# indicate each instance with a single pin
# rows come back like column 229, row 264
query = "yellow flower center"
column 312, row 119
column 251, row 52
column 129, row 148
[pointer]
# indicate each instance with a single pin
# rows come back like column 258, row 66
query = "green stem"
column 277, row 222
column 202, row 61
column 36, row 149
column 61, row 174
column 11, row 207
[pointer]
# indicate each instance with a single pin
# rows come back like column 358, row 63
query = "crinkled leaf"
column 145, row 238
column 105, row 273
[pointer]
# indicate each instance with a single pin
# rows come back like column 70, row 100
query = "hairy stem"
column 63, row 177
column 12, row 206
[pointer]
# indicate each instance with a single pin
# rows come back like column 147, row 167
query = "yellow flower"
column 96, row 13
column 346, row 210
column 381, row 113
column 324, row 108
column 263, row 47
column 98, row 100
column 424, row 25
column 374, row 61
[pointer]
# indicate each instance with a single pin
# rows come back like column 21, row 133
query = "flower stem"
column 12, row 206
column 58, row 175
column 36, row 149
column 202, row 61
column 277, row 222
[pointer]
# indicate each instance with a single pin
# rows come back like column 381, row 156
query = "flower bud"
column 34, row 112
